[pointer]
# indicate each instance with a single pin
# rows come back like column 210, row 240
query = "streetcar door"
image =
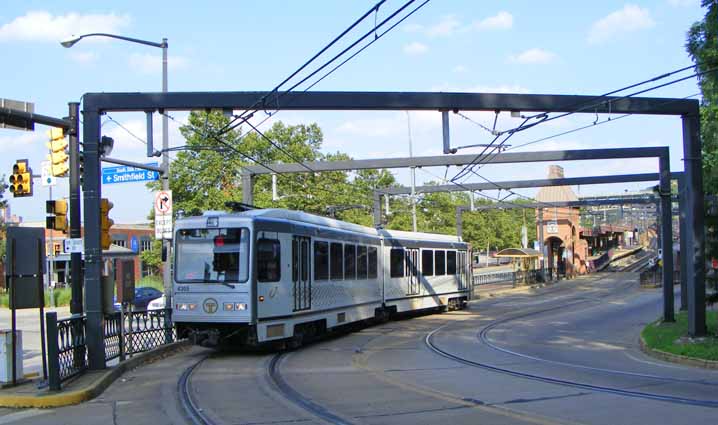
column 461, row 268
column 302, row 284
column 412, row 271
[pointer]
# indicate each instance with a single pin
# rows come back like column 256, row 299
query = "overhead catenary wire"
column 544, row 117
column 373, row 9
column 320, row 68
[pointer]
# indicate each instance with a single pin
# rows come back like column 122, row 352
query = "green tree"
column 702, row 46
column 152, row 257
column 208, row 173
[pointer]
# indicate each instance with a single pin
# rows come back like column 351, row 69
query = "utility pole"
column 413, row 176
column 76, row 278
column 166, row 244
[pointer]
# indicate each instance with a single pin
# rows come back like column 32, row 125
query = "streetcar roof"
column 311, row 219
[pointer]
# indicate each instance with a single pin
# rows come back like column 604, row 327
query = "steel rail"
column 294, row 396
column 428, row 340
column 193, row 412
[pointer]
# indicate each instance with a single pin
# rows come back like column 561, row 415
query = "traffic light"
column 58, row 152
column 57, row 219
column 105, row 222
column 21, row 179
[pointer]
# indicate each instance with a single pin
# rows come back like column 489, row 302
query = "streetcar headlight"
column 228, row 306
column 240, row 306
column 192, row 306
column 182, row 307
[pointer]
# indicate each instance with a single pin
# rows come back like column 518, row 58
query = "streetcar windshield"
column 212, row 255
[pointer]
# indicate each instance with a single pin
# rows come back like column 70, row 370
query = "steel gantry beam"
column 388, row 101
column 97, row 104
column 442, row 160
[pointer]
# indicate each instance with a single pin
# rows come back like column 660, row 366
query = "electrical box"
column 6, row 355
column 126, row 282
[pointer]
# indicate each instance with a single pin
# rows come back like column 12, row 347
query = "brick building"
column 128, row 240
column 566, row 251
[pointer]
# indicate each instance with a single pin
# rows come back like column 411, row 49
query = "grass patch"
column 62, row 298
column 152, row 282
column 664, row 336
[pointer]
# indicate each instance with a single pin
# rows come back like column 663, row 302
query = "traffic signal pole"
column 75, row 224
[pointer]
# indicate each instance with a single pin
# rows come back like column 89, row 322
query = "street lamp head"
column 69, row 42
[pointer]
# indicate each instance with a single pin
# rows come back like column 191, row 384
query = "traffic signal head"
column 58, row 215
column 58, row 156
column 21, row 179
column 105, row 222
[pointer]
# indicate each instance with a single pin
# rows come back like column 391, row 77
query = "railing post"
column 53, row 351
column 168, row 324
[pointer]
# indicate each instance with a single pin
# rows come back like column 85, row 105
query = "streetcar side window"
column 268, row 260
column 350, row 261
column 373, row 266
column 362, row 270
column 427, row 262
column 321, row 260
column 396, row 262
column 451, row 262
column 440, row 262
column 336, row 258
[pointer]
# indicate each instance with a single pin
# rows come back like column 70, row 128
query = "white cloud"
column 43, row 26
column 415, row 48
column 447, row 26
column 83, row 57
column 151, row 64
column 629, row 19
column 533, row 56
column 501, row 21
column 459, row 69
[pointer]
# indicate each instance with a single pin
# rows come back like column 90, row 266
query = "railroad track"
column 195, row 414
column 482, row 336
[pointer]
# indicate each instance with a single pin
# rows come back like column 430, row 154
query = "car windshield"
column 212, row 255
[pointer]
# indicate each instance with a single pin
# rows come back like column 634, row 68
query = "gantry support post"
column 666, row 235
column 695, row 215
column 92, row 192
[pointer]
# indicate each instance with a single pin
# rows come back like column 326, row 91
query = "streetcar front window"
column 212, row 255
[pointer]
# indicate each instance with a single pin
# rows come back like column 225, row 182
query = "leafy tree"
column 152, row 257
column 208, row 173
column 702, row 46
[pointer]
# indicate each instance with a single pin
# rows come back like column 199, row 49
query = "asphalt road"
column 569, row 355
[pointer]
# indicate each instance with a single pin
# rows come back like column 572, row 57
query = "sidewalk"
column 85, row 387
column 28, row 321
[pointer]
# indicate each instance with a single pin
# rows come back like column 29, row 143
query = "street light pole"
column 166, row 275
column 166, row 278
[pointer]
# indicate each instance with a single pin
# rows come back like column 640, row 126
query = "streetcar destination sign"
column 126, row 174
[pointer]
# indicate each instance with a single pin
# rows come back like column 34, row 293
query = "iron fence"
column 66, row 349
column 517, row 277
column 125, row 334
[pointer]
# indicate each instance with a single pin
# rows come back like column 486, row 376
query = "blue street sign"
column 134, row 246
column 125, row 174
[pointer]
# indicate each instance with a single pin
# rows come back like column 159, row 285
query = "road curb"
column 676, row 358
column 103, row 380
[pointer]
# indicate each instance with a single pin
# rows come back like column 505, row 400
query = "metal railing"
column 66, row 349
column 67, row 352
column 517, row 277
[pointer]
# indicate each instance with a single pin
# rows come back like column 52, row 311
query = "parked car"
column 143, row 296
column 157, row 303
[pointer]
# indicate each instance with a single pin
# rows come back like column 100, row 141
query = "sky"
column 558, row 47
